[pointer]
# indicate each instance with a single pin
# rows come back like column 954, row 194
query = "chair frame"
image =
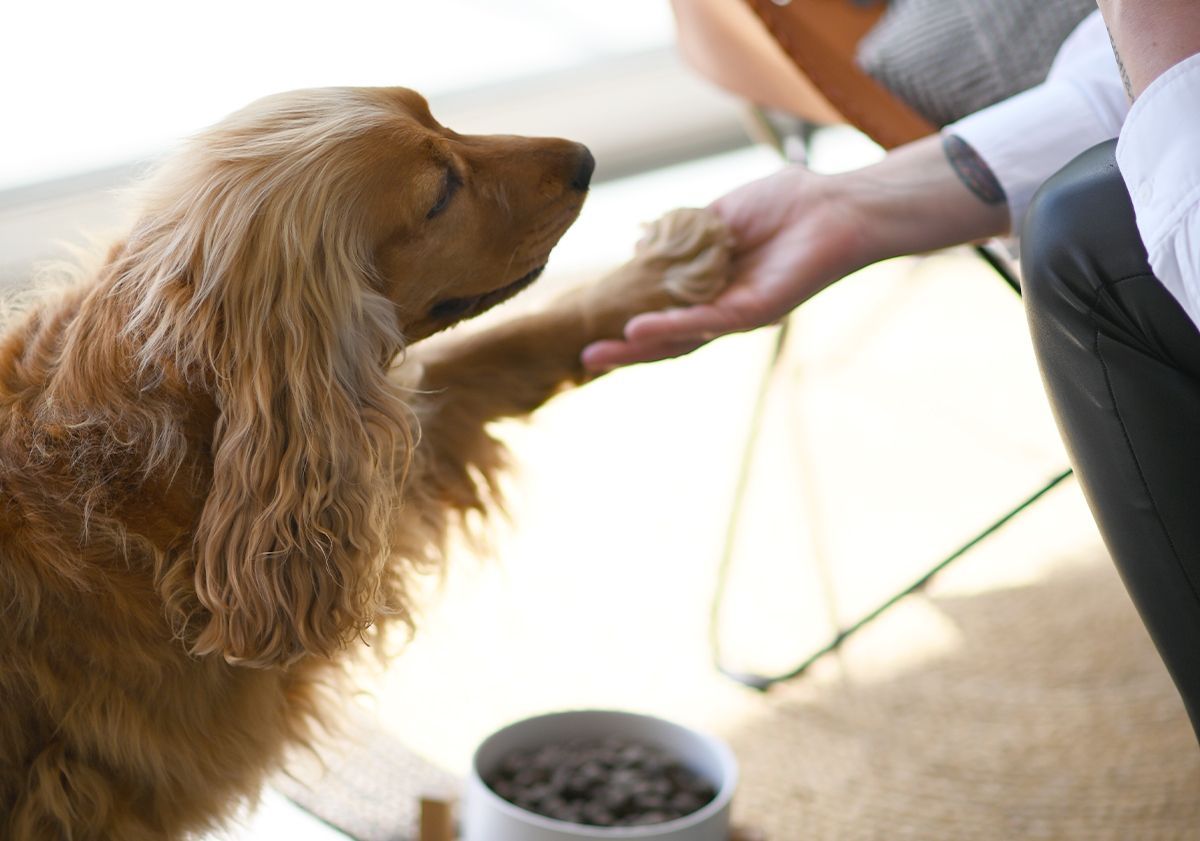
column 818, row 38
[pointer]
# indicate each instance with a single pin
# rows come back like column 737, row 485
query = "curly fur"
column 225, row 452
column 203, row 452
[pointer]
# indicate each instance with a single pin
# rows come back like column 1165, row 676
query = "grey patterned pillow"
column 950, row 58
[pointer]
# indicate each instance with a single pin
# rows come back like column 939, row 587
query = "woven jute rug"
column 1052, row 717
column 366, row 783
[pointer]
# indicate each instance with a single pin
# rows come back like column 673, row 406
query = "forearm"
column 796, row 232
column 922, row 197
column 1151, row 37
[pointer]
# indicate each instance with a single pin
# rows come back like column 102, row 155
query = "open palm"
column 790, row 241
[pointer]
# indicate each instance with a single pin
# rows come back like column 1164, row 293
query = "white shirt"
column 1026, row 139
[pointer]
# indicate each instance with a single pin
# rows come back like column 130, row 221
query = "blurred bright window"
column 91, row 85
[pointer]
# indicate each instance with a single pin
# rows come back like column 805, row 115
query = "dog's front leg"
column 514, row 367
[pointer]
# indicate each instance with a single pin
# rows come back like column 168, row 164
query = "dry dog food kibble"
column 600, row 782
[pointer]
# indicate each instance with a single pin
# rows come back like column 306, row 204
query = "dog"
column 225, row 451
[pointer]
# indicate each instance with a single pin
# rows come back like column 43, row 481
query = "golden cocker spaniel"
column 223, row 453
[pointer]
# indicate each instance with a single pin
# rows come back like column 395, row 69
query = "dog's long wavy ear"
column 311, row 440
column 292, row 540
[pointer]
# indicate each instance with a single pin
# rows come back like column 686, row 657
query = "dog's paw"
column 692, row 248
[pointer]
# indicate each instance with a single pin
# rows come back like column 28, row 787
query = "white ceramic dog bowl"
column 488, row 817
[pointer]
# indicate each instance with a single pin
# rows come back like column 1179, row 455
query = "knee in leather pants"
column 1078, row 234
column 1120, row 360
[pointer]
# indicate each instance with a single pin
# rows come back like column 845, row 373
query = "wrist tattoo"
column 972, row 170
column 1121, row 67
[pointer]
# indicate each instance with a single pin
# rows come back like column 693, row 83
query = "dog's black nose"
column 583, row 172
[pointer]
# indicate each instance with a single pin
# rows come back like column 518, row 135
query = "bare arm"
column 797, row 232
column 1151, row 37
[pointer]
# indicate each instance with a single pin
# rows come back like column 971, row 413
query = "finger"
column 702, row 321
column 734, row 310
column 602, row 356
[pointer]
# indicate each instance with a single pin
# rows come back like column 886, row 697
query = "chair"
column 798, row 58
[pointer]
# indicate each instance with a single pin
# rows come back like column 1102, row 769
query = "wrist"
column 915, row 201
column 869, row 212
column 1150, row 38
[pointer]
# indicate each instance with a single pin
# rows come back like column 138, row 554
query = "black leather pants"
column 1121, row 364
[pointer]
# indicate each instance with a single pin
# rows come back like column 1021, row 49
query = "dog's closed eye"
column 450, row 185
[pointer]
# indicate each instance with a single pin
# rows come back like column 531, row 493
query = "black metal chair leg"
column 764, row 682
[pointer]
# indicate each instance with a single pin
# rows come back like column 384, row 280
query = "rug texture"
column 1051, row 717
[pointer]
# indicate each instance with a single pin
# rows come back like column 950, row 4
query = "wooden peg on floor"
column 437, row 819
column 746, row 833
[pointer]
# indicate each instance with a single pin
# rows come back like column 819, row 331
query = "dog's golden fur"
column 223, row 454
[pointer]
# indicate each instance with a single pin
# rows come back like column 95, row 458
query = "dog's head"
column 460, row 223
column 365, row 180
column 281, row 261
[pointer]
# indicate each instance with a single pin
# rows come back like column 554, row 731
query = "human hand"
column 796, row 232
column 792, row 238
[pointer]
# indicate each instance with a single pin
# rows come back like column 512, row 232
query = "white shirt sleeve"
column 1026, row 139
column 1159, row 157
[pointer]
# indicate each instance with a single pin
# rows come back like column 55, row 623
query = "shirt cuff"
column 1157, row 158
column 1157, row 152
column 1026, row 139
